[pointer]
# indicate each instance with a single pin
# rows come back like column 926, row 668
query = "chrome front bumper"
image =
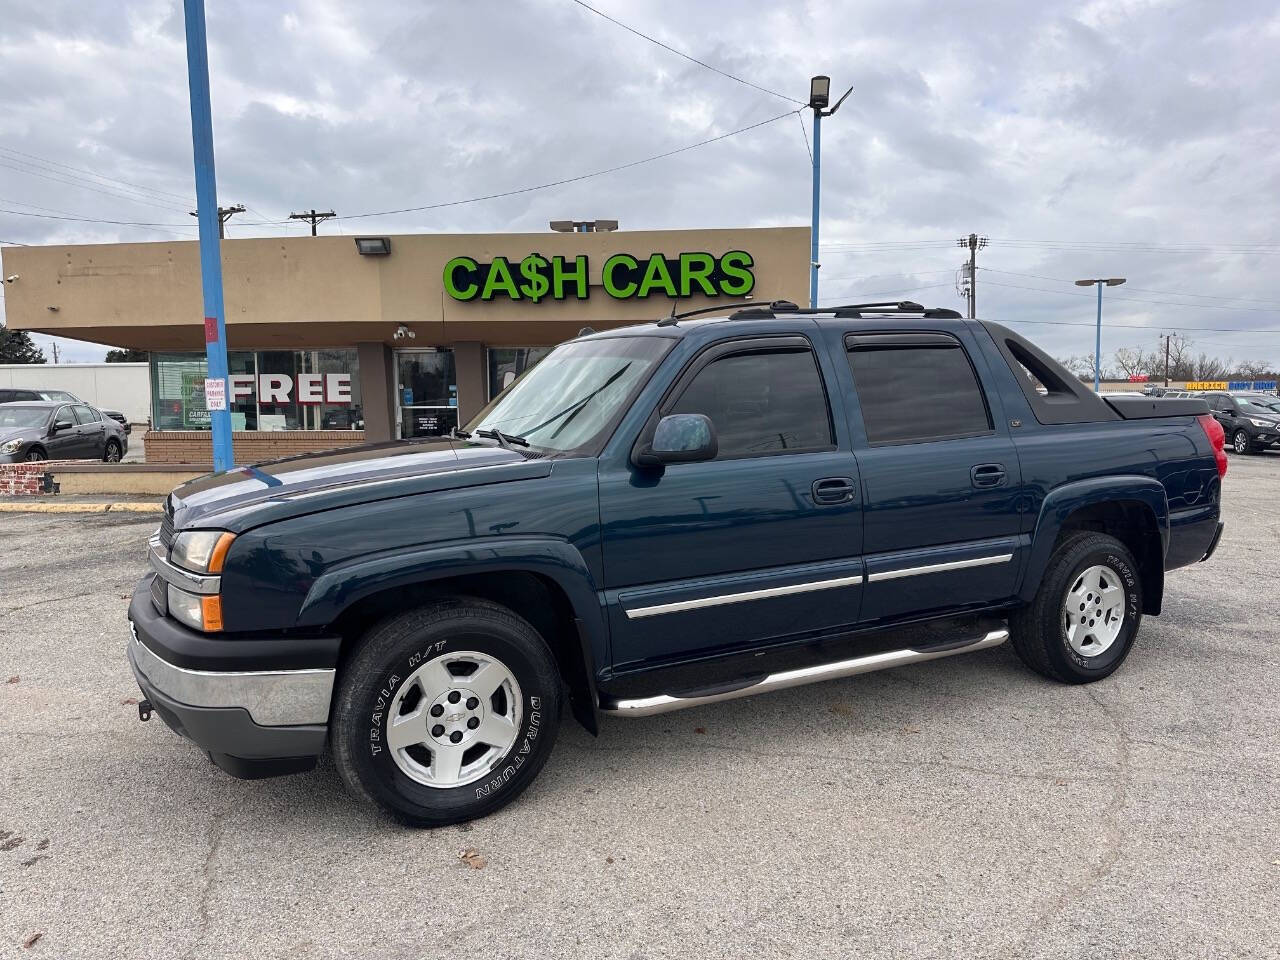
column 272, row 698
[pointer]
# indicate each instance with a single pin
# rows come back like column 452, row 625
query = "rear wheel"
column 1084, row 618
column 112, row 453
column 446, row 713
column 1240, row 442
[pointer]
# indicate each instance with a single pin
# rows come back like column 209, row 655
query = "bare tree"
column 1209, row 368
column 1181, row 363
column 1135, row 362
column 1254, row 370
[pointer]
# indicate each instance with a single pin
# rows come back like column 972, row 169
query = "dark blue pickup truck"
column 659, row 517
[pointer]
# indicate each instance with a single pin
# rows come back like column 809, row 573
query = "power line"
column 1171, row 293
column 808, row 149
column 119, row 223
column 125, row 183
column 681, row 53
column 1138, row 326
column 876, row 293
column 1167, row 303
column 67, row 180
column 313, row 217
column 568, row 180
column 15, row 243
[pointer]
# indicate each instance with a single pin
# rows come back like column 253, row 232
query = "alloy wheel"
column 1093, row 611
column 453, row 719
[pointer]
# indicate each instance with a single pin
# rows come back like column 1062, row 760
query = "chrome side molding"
column 938, row 567
column 634, row 613
column 652, row 706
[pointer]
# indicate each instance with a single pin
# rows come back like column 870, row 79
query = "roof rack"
column 847, row 310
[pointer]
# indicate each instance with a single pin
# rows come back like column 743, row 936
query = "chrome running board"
column 663, row 703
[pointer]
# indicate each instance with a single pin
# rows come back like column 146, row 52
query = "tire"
column 35, row 455
column 1042, row 632
column 112, row 453
column 411, row 664
column 1240, row 442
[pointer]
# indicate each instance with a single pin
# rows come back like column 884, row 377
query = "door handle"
column 988, row 475
column 834, row 490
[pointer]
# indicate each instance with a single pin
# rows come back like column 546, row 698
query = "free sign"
column 312, row 388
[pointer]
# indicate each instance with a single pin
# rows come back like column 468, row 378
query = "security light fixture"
column 1112, row 282
column 373, row 246
column 819, row 92
column 12, row 277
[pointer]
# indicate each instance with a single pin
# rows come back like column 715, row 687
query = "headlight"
column 11, row 447
column 201, row 551
column 1265, row 424
column 204, row 612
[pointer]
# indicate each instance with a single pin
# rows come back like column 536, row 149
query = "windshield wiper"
column 504, row 439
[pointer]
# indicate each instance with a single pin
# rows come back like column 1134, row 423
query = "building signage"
column 281, row 388
column 1261, row 385
column 623, row 277
column 1207, row 385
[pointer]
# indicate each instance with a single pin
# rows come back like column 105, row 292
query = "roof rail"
column 674, row 318
column 847, row 310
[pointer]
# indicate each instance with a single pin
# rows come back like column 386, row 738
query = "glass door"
column 426, row 392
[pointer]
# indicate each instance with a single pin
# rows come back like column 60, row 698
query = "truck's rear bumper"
column 252, row 723
column 1193, row 534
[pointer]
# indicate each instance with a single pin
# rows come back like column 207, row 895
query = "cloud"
column 1079, row 137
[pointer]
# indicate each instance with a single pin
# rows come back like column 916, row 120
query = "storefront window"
column 426, row 392
column 507, row 363
column 268, row 390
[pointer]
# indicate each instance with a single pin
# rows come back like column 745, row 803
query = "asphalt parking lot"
column 961, row 808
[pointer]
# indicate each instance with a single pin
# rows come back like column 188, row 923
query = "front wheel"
column 1083, row 620
column 1240, row 442
column 446, row 713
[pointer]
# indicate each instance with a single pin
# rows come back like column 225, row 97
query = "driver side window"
column 761, row 402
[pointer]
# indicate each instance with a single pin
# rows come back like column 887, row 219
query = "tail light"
column 1217, row 439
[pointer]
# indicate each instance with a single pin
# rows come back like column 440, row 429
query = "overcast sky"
column 1133, row 138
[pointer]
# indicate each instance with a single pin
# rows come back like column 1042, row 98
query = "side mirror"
column 680, row 438
column 60, row 425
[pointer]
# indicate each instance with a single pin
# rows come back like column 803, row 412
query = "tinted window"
column 83, row 414
column 65, row 415
column 761, row 402
column 918, row 393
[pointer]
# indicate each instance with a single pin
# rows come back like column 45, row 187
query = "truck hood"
column 247, row 497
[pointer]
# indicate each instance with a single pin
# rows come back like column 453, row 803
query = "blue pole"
column 1097, row 345
column 215, row 327
column 817, row 194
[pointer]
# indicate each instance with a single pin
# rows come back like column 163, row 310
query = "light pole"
column 1097, row 342
column 819, row 97
column 211, row 220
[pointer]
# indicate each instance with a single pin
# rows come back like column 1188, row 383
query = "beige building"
column 338, row 340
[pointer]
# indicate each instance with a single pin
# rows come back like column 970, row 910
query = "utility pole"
column 224, row 214
column 313, row 217
column 211, row 217
column 819, row 97
column 55, row 352
column 974, row 243
column 1166, row 358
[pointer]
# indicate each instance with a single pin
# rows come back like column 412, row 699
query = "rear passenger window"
column 918, row 392
column 761, row 402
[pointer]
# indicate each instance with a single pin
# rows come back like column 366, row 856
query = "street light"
column 1097, row 343
column 819, row 97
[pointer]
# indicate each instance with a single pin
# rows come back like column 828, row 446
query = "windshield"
column 573, row 396
column 12, row 417
column 1260, row 405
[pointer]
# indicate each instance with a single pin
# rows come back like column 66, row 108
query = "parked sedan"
column 65, row 396
column 43, row 430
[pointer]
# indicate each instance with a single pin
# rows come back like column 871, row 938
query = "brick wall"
column 24, row 479
column 196, row 446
